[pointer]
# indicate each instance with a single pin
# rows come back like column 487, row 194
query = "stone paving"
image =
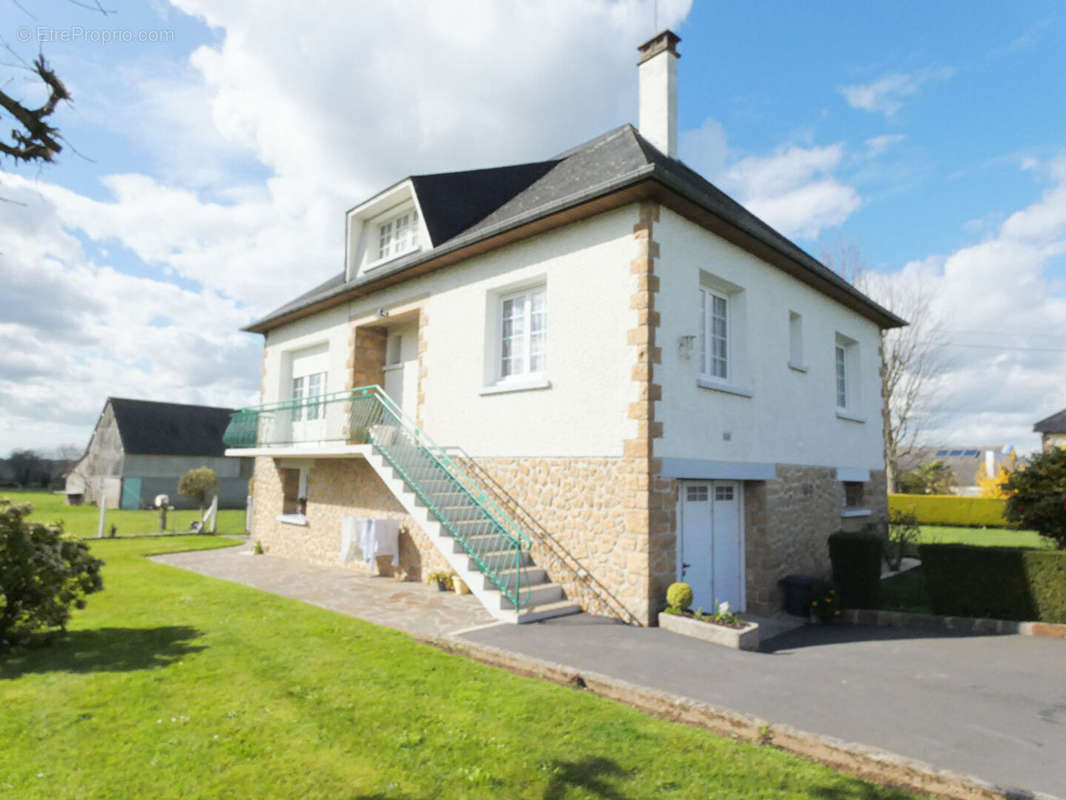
column 415, row 608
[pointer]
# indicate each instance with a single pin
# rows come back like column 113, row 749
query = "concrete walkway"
column 412, row 607
column 989, row 706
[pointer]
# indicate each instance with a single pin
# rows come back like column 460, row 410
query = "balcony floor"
column 303, row 450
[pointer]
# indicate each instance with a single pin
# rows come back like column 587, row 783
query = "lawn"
column 173, row 685
column 84, row 520
column 985, row 537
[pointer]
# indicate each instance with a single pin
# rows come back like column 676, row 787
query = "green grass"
column 84, row 520
column 173, row 685
column 985, row 537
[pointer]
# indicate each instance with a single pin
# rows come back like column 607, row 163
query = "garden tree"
column 42, row 574
column 27, row 466
column 933, row 477
column 996, row 485
column 199, row 484
column 911, row 357
column 1037, row 497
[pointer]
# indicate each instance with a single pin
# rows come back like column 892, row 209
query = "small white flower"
column 723, row 608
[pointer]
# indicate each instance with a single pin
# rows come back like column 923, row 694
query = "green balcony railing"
column 367, row 415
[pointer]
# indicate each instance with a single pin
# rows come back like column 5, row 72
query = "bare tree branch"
column 911, row 357
column 35, row 139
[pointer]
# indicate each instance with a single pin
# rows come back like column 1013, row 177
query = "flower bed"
column 739, row 635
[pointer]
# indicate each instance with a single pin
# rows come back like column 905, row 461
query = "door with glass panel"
column 307, row 412
column 710, row 547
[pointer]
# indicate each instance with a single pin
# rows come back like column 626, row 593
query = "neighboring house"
column 647, row 383
column 1052, row 430
column 964, row 462
column 139, row 449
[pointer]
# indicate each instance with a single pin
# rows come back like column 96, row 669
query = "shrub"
column 826, row 602
column 967, row 512
column 902, row 531
column 679, row 596
column 1037, row 496
column 856, row 561
column 199, row 484
column 42, row 574
column 997, row 582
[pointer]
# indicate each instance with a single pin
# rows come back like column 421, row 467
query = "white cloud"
column 876, row 145
column 1006, row 323
column 885, row 95
column 74, row 332
column 259, row 143
column 794, row 189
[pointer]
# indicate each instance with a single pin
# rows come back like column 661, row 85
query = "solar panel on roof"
column 972, row 453
column 941, row 452
column 955, row 453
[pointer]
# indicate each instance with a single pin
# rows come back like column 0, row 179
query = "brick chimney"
column 657, row 72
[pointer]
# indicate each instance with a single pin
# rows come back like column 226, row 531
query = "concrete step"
column 530, row 576
column 489, row 543
column 542, row 595
column 560, row 608
column 502, row 559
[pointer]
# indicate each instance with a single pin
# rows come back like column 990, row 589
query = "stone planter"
column 746, row 638
column 459, row 586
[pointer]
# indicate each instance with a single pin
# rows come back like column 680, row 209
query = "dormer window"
column 397, row 235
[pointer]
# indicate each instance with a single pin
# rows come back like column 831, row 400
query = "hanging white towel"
column 351, row 539
column 387, row 535
column 381, row 537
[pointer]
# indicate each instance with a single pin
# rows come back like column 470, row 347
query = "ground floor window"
column 294, row 485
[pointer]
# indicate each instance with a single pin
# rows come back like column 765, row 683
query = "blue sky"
column 218, row 149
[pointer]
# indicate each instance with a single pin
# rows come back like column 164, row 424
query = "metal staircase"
column 477, row 538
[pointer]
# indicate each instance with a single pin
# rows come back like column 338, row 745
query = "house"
column 140, row 448
column 1052, row 431
column 634, row 381
column 966, row 463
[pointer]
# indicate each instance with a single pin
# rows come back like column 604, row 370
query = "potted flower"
column 722, row 626
column 826, row 603
column 442, row 579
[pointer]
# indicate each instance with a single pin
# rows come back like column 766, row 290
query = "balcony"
column 335, row 424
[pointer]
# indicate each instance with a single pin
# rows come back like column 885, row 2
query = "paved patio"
column 412, row 607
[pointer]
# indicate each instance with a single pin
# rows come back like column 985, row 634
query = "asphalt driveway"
column 989, row 706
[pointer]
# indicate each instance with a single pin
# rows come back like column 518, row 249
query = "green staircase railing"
column 484, row 531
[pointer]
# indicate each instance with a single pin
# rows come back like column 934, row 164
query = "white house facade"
column 588, row 377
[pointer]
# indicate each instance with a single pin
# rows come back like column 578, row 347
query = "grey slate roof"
column 1056, row 423
column 170, row 429
column 461, row 208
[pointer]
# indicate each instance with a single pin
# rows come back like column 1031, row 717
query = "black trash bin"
column 798, row 594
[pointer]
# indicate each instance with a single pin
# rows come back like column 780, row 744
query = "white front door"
column 401, row 368
column 710, row 548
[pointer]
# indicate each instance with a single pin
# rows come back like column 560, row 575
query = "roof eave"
column 822, row 277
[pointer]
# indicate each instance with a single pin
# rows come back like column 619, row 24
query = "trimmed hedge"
column 948, row 509
column 856, row 559
column 997, row 582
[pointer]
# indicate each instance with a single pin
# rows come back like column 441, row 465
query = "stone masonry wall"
column 337, row 488
column 788, row 522
column 579, row 503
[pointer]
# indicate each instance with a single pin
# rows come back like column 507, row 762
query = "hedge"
column 856, row 560
column 948, row 509
column 995, row 582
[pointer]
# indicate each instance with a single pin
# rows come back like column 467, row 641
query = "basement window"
column 294, row 484
column 855, row 500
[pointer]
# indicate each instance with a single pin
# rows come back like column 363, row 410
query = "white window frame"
column 846, row 370
column 733, row 299
column 526, row 342
column 708, row 357
column 300, row 389
column 384, row 244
